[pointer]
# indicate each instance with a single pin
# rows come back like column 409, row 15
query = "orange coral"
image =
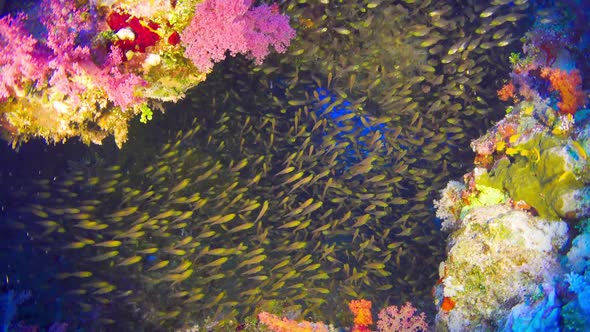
column 362, row 313
column 569, row 87
column 507, row 91
column 278, row 324
column 448, row 304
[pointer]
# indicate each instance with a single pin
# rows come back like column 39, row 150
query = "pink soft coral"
column 69, row 59
column 230, row 25
column 20, row 60
column 392, row 319
column 569, row 87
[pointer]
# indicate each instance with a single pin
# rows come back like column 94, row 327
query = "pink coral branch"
column 394, row 319
column 19, row 58
column 219, row 26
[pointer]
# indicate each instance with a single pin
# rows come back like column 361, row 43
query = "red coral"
column 569, row 87
column 174, row 38
column 145, row 32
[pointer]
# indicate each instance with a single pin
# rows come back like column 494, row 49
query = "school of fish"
column 264, row 192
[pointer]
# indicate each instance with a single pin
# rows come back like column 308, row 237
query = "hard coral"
column 569, row 87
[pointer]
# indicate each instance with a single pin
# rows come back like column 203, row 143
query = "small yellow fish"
column 293, row 178
column 281, row 264
column 104, row 256
column 224, row 219
column 242, row 227
column 181, row 267
column 262, row 211
column 216, row 262
column 109, row 244
column 181, row 185
column 176, row 278
column 291, row 224
column 75, row 245
column 303, row 260
column 295, row 246
column 80, row 274
column 254, row 270
column 374, row 266
column 176, row 252
column 206, row 235
column 184, row 241
column 342, row 31
column 148, row 251
column 105, row 290
column 124, row 212
column 361, row 220
column 130, row 261
column 166, row 214
column 253, row 260
column 159, row 265
column 258, row 278
column 91, row 225
column 194, row 298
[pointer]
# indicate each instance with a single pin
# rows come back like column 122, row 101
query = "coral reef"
column 525, row 199
column 496, row 248
column 95, row 66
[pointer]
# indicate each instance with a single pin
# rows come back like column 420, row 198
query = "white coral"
column 449, row 205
